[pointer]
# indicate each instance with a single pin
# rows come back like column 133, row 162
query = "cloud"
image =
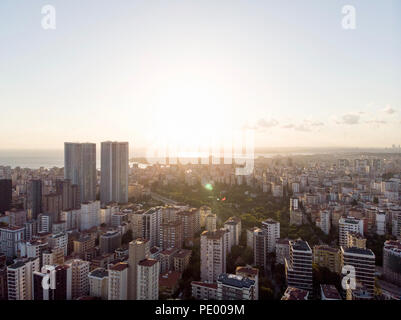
column 317, row 124
column 305, row 126
column 388, row 109
column 265, row 124
column 350, row 119
column 376, row 122
column 288, row 126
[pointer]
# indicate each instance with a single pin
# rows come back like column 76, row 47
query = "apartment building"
column 148, row 279
column 213, row 254
column 299, row 268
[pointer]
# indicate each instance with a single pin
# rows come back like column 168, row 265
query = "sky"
column 145, row 70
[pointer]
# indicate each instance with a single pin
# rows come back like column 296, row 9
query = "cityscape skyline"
column 210, row 156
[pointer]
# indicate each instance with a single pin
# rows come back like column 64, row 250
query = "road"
column 165, row 200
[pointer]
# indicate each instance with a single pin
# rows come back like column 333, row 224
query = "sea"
column 35, row 159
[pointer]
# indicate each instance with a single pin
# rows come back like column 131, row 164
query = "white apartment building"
column 204, row 290
column 35, row 248
column 19, row 278
column 99, row 283
column 79, row 277
column 213, row 254
column 148, row 279
column 59, row 240
column 363, row 260
column 235, row 287
column 211, row 222
column 90, row 215
column 325, row 221
column 147, row 225
column 10, row 239
column 299, row 268
column 106, row 213
column 396, row 221
column 233, row 225
column 349, row 224
column 118, row 280
column 71, row 218
column 272, row 230
column 264, row 241
column 380, row 223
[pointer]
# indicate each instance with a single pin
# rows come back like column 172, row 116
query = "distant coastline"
column 34, row 159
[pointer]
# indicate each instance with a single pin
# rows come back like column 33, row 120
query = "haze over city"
column 139, row 70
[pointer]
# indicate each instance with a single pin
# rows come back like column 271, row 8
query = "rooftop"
column 147, row 262
column 295, row 294
column 182, row 253
column 356, row 250
column 300, row 245
column 330, row 292
column 119, row 266
column 99, row 273
column 169, row 279
column 234, row 280
column 247, row 270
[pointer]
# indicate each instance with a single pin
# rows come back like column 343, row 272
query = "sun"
column 190, row 118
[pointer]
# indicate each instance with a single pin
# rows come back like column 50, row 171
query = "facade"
column 204, row 290
column 327, row 257
column 355, row 239
column 252, row 274
column 181, row 259
column 346, row 225
column 79, row 277
column 34, row 201
column 80, row 168
column 114, row 172
column 282, row 250
column 380, row 223
column 171, row 235
column 151, row 221
column 235, row 287
column 148, row 279
column 211, row 222
column 363, row 260
column 299, row 268
column 19, row 278
column 203, row 212
column 233, row 225
column 10, row 239
column 392, row 261
column 118, row 280
column 5, row 194
column 213, row 255
column 138, row 251
column 249, row 237
column 265, row 240
column 190, row 223
column 109, row 241
column 396, row 222
column 325, row 221
column 89, row 215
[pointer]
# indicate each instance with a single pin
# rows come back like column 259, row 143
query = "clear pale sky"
column 136, row 70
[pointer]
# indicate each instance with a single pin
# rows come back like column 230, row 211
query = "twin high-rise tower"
column 114, row 172
column 80, row 169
